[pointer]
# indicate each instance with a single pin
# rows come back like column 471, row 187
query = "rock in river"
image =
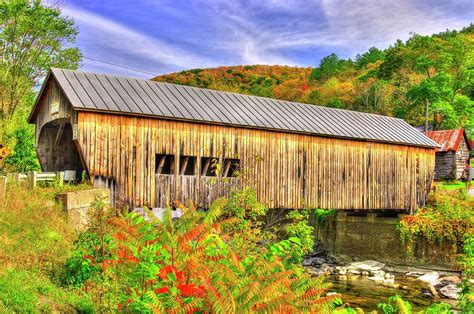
column 450, row 291
column 451, row 279
column 377, row 273
column 366, row 266
column 431, row 277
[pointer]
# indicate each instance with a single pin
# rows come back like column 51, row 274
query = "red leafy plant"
column 189, row 265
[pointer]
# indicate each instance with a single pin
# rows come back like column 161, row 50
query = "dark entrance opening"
column 56, row 149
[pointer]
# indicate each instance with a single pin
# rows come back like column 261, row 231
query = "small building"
column 153, row 143
column 452, row 156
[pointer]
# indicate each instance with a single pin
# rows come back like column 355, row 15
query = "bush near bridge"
column 212, row 261
column 448, row 216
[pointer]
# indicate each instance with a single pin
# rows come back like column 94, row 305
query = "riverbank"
column 365, row 284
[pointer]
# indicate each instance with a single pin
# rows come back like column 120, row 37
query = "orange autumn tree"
column 190, row 265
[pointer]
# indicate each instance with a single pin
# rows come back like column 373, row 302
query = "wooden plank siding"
column 287, row 170
column 52, row 94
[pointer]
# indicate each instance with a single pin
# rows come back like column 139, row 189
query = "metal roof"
column 448, row 139
column 108, row 93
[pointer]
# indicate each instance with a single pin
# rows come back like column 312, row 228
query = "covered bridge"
column 154, row 142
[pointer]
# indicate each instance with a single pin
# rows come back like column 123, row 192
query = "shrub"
column 396, row 304
column 448, row 216
column 23, row 157
column 466, row 263
column 256, row 225
column 200, row 262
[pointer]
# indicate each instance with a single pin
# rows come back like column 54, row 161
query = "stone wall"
column 361, row 236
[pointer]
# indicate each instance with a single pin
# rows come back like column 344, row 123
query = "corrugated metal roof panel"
column 143, row 97
column 449, row 140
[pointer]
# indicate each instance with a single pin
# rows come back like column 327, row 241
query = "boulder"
column 451, row 279
column 365, row 273
column 389, row 276
column 377, row 278
column 313, row 261
column 432, row 291
column 367, row 265
column 431, row 277
column 450, row 291
column 325, row 268
column 353, row 271
column 377, row 273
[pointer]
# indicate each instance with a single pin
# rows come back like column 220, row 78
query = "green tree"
column 33, row 38
column 392, row 63
column 23, row 157
column 372, row 55
column 328, row 67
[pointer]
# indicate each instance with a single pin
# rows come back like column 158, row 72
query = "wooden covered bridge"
column 153, row 142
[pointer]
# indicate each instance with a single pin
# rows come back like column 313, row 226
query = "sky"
column 164, row 36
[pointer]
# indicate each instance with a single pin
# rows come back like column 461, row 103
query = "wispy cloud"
column 111, row 40
column 375, row 22
column 171, row 35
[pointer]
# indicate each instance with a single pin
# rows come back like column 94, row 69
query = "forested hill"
column 400, row 81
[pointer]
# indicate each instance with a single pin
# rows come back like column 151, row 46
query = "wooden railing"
column 202, row 191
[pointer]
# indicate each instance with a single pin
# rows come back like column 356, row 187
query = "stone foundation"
column 374, row 236
column 77, row 204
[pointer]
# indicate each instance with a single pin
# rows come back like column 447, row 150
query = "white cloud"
column 105, row 38
column 375, row 22
column 346, row 25
column 204, row 33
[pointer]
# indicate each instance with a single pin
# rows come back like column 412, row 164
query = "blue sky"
column 162, row 36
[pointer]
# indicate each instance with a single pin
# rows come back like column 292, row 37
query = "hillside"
column 400, row 81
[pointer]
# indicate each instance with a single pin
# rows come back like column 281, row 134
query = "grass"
column 25, row 291
column 453, row 185
column 35, row 240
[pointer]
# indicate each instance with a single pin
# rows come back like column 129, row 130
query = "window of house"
column 187, row 165
column 164, row 164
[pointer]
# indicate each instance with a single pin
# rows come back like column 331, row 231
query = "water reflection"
column 359, row 291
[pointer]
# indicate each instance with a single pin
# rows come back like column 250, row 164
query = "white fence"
column 32, row 178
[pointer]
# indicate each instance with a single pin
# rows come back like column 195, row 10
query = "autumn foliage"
column 193, row 264
column 400, row 80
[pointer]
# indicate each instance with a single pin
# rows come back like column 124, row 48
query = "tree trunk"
column 426, row 114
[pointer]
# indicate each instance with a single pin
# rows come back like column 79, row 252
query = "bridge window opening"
column 209, row 166
column 187, row 165
column 164, row 164
column 231, row 168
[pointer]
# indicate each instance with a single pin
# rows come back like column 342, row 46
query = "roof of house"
column 449, row 140
column 122, row 95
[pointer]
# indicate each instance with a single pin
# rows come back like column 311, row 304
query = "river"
column 361, row 292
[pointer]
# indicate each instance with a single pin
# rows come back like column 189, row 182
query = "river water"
column 361, row 292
